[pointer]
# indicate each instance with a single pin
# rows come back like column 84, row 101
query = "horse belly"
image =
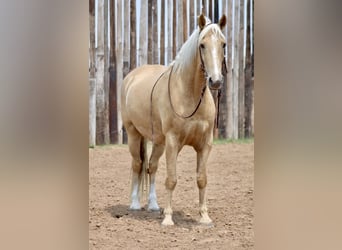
column 137, row 94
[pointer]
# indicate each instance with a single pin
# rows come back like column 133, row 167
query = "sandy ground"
column 230, row 202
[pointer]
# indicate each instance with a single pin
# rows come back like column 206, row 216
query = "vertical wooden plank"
column 126, row 39
column 229, row 68
column 133, row 51
column 162, row 34
column 241, row 72
column 216, row 11
column 100, row 98
column 155, row 55
column 223, row 112
column 235, row 82
column 150, row 33
column 204, row 7
column 210, row 10
column 192, row 16
column 185, row 22
column 248, row 76
column 252, row 62
column 126, row 49
column 114, row 112
column 198, row 10
column 106, row 72
column 169, row 31
column 119, row 61
column 174, row 29
column 179, row 26
column 143, row 33
column 92, row 38
column 92, row 80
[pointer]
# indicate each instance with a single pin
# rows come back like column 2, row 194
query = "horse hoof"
column 153, row 207
column 167, row 222
column 206, row 222
column 135, row 207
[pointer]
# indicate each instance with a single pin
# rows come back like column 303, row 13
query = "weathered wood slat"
column 235, row 80
column 174, row 29
column 101, row 131
column 169, row 31
column 120, row 68
column 155, row 49
column 114, row 111
column 241, row 94
column 143, row 42
column 150, row 34
column 185, row 22
column 133, row 33
column 248, row 77
column 92, row 80
column 162, row 33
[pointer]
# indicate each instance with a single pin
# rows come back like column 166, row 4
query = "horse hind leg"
column 135, row 141
column 157, row 151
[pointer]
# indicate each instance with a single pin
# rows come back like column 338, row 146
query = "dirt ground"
column 229, row 192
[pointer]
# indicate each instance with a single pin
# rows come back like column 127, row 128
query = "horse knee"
column 202, row 181
column 152, row 167
column 170, row 183
column 136, row 165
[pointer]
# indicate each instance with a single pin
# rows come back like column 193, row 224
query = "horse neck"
column 190, row 82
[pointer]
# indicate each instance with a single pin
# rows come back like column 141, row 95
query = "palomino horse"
column 172, row 106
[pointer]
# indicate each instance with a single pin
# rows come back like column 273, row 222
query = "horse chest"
column 195, row 131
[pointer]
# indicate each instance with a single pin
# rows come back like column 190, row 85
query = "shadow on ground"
column 179, row 217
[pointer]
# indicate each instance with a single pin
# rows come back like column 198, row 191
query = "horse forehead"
column 213, row 35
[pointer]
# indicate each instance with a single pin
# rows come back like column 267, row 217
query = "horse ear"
column 223, row 21
column 201, row 21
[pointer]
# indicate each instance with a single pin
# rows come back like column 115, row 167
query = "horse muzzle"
column 215, row 84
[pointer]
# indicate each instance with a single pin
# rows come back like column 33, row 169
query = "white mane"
column 188, row 51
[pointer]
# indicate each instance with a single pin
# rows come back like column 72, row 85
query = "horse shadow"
column 179, row 217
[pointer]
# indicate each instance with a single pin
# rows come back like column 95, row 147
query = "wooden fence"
column 125, row 34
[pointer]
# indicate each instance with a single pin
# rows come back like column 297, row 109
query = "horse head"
column 211, row 45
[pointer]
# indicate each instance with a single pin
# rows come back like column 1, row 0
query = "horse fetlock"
column 168, row 211
column 170, row 183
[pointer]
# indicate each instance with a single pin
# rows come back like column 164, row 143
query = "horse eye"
column 202, row 45
column 224, row 45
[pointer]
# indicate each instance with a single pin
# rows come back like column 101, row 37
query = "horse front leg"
column 171, row 179
column 202, row 157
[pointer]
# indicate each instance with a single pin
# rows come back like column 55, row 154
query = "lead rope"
column 218, row 108
column 173, row 108
column 202, row 92
column 151, row 96
column 224, row 71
